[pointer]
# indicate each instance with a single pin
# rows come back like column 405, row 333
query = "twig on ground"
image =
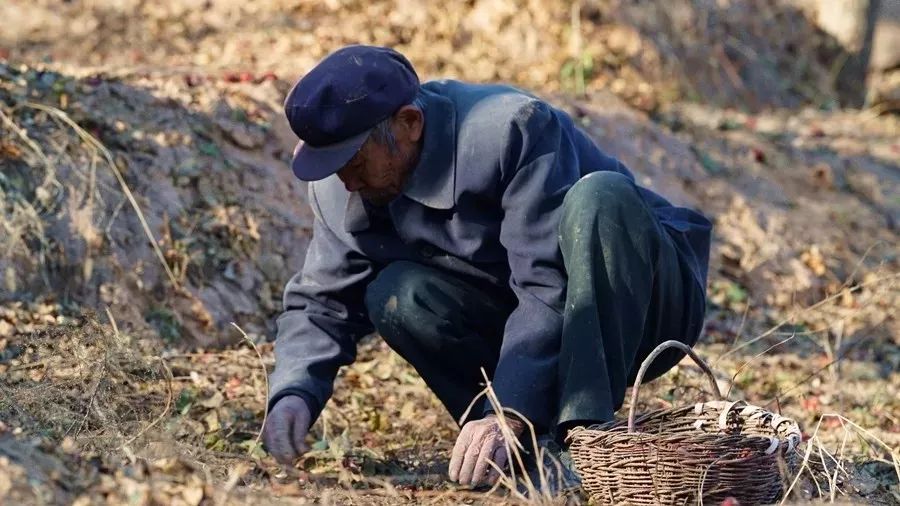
column 895, row 459
column 812, row 307
column 124, row 447
column 26, row 139
column 804, row 464
column 755, row 357
column 740, row 332
column 813, row 444
column 265, row 378
column 852, row 346
column 840, row 465
column 112, row 321
column 112, row 219
column 165, row 410
column 91, row 398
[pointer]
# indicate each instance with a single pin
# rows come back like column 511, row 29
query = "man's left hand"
column 479, row 443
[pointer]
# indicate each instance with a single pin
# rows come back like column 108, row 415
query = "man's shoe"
column 559, row 470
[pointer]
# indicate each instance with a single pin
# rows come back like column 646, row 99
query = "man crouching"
column 474, row 226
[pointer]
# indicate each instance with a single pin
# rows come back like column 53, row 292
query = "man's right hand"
column 286, row 429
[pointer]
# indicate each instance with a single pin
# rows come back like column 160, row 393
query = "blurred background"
column 146, row 204
column 738, row 53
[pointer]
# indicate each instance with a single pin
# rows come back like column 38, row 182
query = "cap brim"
column 313, row 163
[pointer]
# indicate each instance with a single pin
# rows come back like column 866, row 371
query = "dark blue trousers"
column 628, row 290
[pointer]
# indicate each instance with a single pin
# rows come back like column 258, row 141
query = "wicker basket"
column 703, row 453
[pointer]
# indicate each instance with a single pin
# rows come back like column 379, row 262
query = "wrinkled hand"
column 286, row 429
column 479, row 443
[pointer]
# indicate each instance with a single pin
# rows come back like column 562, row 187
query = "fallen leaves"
column 814, row 260
column 793, row 194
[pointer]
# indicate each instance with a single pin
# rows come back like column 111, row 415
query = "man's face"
column 379, row 173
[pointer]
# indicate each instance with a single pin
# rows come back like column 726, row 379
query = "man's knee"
column 607, row 198
column 603, row 191
column 391, row 297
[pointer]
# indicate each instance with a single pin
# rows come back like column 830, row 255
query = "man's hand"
column 286, row 428
column 479, row 442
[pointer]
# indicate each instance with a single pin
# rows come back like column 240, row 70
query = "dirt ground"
column 149, row 223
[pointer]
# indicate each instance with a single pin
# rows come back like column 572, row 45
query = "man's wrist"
column 516, row 425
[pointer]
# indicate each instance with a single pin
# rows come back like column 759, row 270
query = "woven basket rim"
column 658, row 457
column 789, row 437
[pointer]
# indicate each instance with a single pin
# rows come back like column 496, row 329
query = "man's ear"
column 410, row 122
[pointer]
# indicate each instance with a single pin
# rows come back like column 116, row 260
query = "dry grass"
column 519, row 484
column 831, row 472
column 25, row 221
column 98, row 148
column 21, row 217
column 192, row 420
column 115, row 397
column 82, row 382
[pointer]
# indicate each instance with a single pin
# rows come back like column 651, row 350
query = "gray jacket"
column 483, row 202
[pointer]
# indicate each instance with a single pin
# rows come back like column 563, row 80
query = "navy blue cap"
column 333, row 108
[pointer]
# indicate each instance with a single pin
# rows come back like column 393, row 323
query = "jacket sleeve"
column 324, row 317
column 539, row 167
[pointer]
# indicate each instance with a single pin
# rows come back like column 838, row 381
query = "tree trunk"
column 852, row 23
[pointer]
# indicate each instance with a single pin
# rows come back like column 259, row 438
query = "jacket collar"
column 356, row 219
column 433, row 180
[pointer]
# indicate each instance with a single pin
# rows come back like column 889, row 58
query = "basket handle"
column 649, row 360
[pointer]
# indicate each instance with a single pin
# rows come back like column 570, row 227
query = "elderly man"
column 474, row 226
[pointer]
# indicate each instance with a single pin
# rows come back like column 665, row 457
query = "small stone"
column 68, row 445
